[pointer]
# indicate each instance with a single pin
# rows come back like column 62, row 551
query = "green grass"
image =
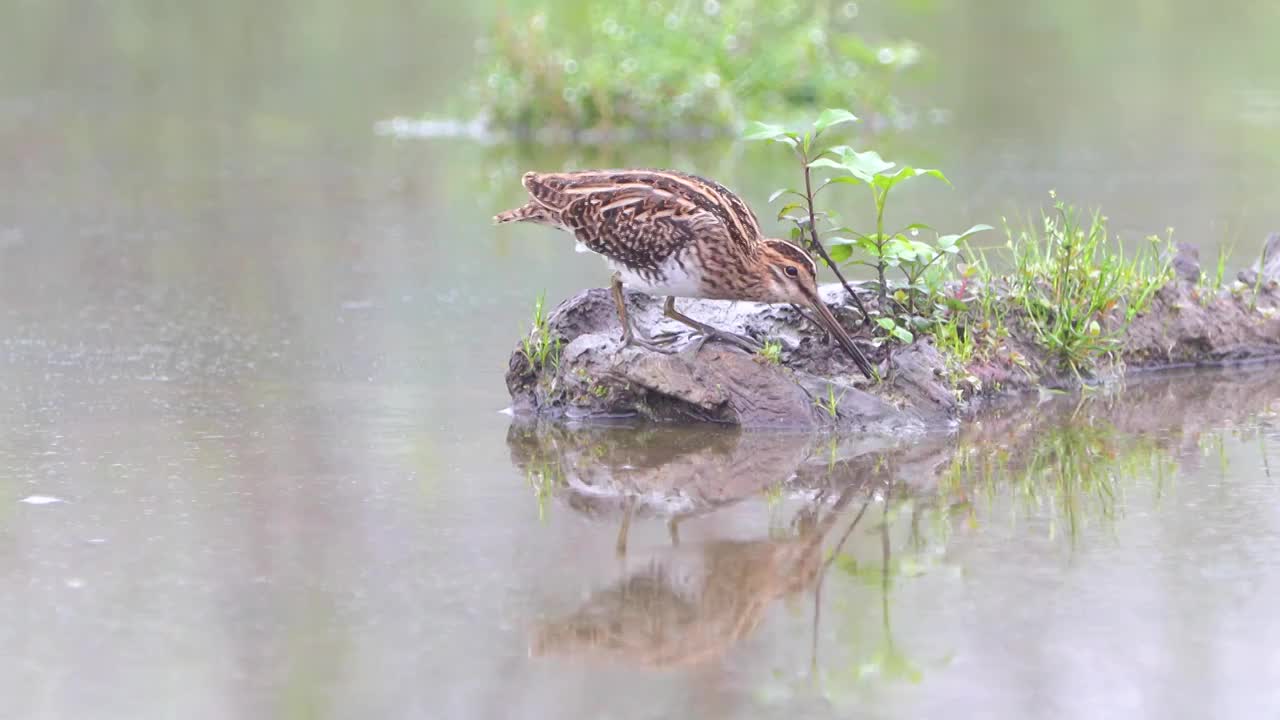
column 1257, row 280
column 954, row 339
column 1074, row 286
column 830, row 403
column 1217, row 282
column 772, row 351
column 540, row 346
column 668, row 66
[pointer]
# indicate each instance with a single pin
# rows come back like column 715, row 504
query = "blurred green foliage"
column 672, row 67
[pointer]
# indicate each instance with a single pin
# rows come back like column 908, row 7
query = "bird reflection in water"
column 689, row 603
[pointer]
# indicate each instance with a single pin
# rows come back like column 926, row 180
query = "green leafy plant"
column 896, row 331
column 800, row 211
column 902, row 248
column 541, row 346
column 925, row 266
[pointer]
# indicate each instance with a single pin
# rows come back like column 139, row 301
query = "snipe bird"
column 680, row 235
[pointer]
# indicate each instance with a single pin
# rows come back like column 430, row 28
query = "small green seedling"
column 772, row 351
column 540, row 346
column 830, row 403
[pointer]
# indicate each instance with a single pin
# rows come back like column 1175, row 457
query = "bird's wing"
column 641, row 217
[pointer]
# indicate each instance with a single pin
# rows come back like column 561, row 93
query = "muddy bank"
column 814, row 385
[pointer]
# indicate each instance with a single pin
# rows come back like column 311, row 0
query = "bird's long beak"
column 833, row 326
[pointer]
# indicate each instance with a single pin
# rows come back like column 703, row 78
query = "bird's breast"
column 670, row 277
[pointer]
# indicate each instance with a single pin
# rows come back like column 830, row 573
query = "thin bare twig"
column 817, row 244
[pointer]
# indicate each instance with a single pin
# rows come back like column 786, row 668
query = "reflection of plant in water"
column 866, row 654
column 1262, row 450
column 1215, row 446
column 1075, row 470
column 544, row 477
column 884, row 659
column 774, row 494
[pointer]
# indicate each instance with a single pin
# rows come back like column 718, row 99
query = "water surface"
column 254, row 351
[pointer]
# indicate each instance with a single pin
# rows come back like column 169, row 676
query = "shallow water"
column 252, row 462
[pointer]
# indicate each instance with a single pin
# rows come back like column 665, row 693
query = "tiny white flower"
column 711, row 7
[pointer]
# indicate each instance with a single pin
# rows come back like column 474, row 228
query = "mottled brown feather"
column 642, row 217
column 532, row 211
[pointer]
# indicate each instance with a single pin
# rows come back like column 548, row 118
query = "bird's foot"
column 633, row 338
column 700, row 338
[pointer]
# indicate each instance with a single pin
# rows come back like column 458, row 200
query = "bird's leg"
column 629, row 334
column 708, row 332
column 673, row 529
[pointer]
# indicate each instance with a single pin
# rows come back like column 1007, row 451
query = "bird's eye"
column 791, row 270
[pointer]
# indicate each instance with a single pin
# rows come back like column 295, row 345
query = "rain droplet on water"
column 41, row 500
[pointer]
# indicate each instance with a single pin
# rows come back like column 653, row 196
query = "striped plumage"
column 672, row 233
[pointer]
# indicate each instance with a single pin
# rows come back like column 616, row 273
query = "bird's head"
column 789, row 275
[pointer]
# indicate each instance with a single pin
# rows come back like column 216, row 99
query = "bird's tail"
column 529, row 212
